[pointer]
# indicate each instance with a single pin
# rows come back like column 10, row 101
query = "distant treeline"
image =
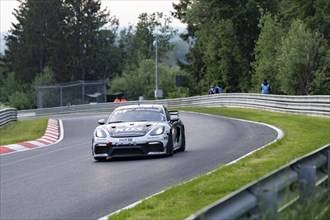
column 242, row 42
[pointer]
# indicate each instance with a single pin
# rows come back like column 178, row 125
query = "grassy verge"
column 303, row 134
column 19, row 131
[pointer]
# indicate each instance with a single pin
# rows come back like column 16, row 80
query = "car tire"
column 170, row 150
column 100, row 158
column 183, row 141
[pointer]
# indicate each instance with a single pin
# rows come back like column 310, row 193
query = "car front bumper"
column 132, row 148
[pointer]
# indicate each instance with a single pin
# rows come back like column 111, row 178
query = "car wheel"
column 183, row 141
column 100, row 158
column 169, row 150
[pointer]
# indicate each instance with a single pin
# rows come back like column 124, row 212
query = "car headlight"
column 100, row 133
column 158, row 131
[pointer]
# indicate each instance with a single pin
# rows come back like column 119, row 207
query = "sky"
column 127, row 11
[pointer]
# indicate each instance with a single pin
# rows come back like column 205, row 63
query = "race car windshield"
column 134, row 115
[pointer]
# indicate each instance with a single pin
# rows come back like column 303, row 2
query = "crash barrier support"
column 287, row 193
column 7, row 115
column 318, row 105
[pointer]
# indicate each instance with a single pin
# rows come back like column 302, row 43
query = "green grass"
column 303, row 134
column 19, row 131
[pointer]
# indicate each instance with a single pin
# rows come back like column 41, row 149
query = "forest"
column 237, row 43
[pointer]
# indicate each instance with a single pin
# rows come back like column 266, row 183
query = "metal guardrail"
column 7, row 115
column 286, row 193
column 311, row 105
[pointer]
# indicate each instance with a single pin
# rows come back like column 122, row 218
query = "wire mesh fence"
column 72, row 93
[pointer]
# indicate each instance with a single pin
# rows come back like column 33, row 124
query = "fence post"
column 306, row 179
column 267, row 202
column 82, row 90
column 39, row 96
column 61, row 95
column 105, row 92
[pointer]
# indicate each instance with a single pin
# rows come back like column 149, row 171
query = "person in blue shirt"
column 211, row 91
column 265, row 87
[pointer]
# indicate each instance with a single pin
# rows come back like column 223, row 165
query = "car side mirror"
column 174, row 118
column 102, row 121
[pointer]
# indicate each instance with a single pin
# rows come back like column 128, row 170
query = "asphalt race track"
column 63, row 181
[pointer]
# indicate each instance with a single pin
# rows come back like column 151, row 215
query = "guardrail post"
column 306, row 179
column 267, row 202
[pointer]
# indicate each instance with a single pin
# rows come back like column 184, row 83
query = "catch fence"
column 72, row 93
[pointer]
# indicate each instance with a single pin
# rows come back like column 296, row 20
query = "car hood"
column 130, row 129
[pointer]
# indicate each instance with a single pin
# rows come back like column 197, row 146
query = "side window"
column 167, row 114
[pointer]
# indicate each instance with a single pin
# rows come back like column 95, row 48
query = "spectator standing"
column 211, row 91
column 218, row 88
column 265, row 87
column 116, row 100
column 123, row 99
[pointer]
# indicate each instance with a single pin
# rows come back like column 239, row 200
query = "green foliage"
column 141, row 82
column 45, row 78
column 109, row 60
column 84, row 21
column 292, row 59
column 34, row 39
column 48, row 97
column 225, row 34
column 298, row 58
column 266, row 52
column 21, row 95
column 223, row 56
column 242, row 43
column 314, row 13
column 21, row 100
column 60, row 34
column 321, row 83
column 8, row 86
column 14, row 94
column 138, row 44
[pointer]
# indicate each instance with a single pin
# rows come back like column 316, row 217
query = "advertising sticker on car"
column 125, row 141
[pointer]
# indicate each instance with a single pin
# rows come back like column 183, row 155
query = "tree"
column 141, row 81
column 223, row 56
column 45, row 78
column 137, row 43
column 265, row 53
column 225, row 32
column 33, row 40
column 9, row 85
column 314, row 13
column 85, row 19
column 299, row 58
column 109, row 62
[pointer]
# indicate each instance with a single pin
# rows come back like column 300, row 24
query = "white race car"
column 138, row 130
